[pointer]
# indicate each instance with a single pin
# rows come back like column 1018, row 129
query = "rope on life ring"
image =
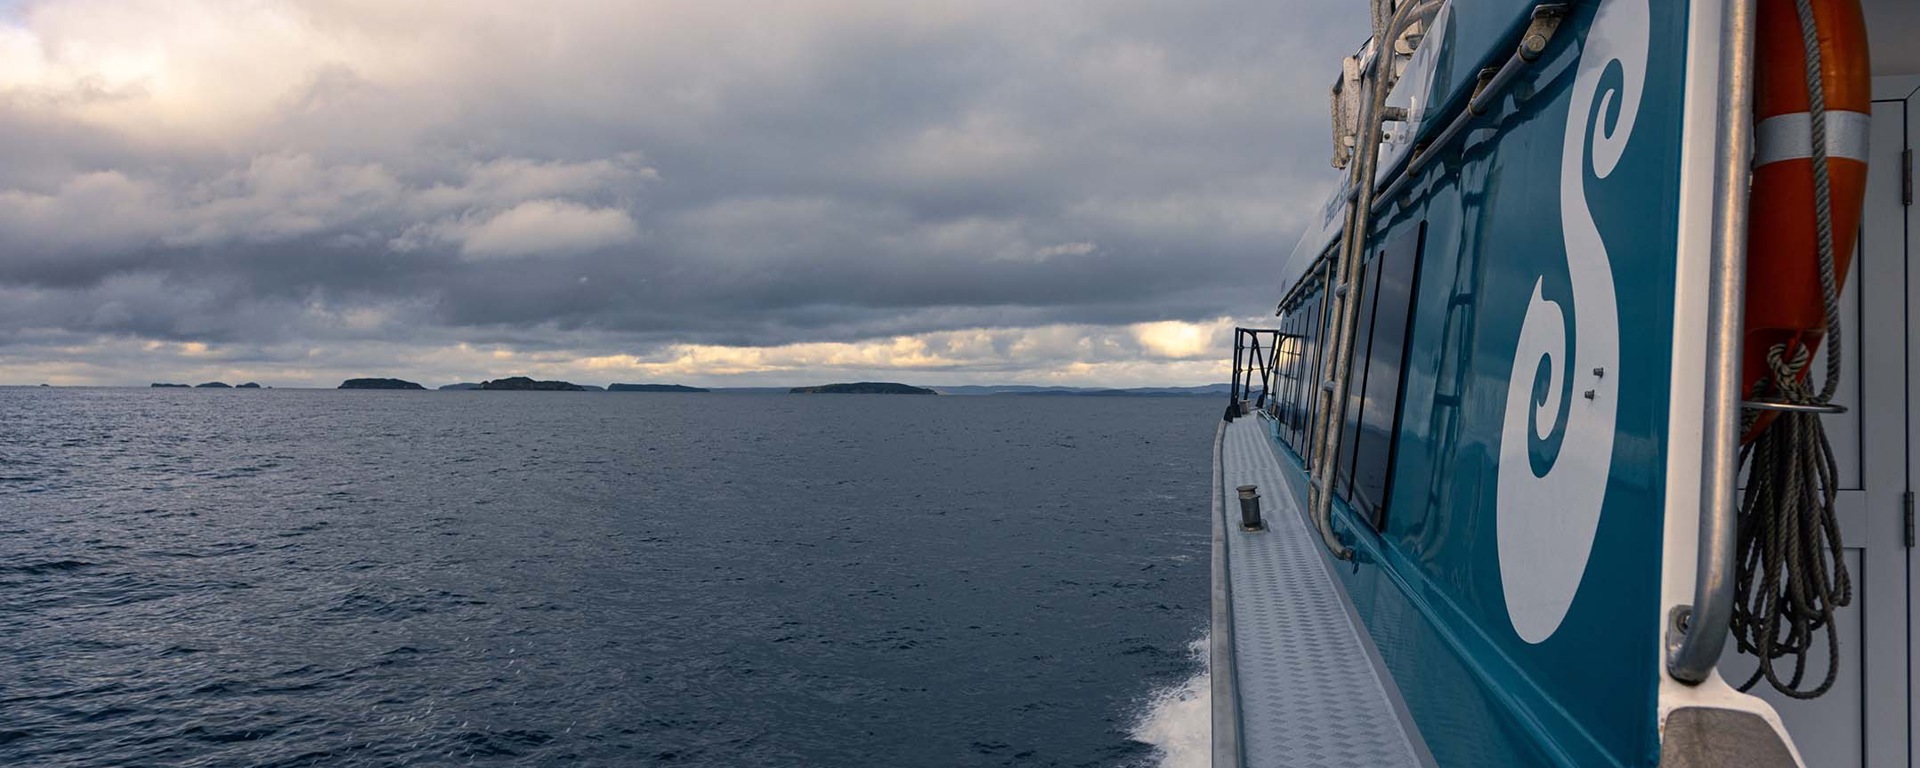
column 1791, row 573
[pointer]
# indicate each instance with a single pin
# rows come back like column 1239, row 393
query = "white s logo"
column 1546, row 522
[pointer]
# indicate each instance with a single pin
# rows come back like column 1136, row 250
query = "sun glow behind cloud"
column 1136, row 355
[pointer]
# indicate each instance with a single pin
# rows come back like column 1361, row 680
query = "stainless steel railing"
column 1699, row 631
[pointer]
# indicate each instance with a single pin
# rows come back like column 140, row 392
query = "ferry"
column 1583, row 432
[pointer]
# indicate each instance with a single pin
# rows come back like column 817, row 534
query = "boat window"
column 1311, row 318
column 1371, row 416
column 1303, row 392
column 1303, row 368
column 1310, row 398
column 1357, row 385
column 1285, row 349
column 1304, row 346
column 1306, row 318
column 1375, row 413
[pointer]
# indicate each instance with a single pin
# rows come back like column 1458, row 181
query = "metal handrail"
column 1540, row 29
column 1699, row 631
column 1339, row 340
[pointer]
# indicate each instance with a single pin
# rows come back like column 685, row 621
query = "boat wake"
column 1178, row 721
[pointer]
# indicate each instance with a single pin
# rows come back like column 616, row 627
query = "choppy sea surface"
column 308, row 577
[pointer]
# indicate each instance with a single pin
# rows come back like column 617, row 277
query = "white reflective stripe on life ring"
column 1790, row 137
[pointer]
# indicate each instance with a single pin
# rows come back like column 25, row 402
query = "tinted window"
column 1391, row 297
column 1315, row 318
column 1357, row 385
column 1318, row 317
column 1302, row 348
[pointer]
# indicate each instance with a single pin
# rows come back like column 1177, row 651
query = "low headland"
column 863, row 388
column 375, row 383
column 653, row 388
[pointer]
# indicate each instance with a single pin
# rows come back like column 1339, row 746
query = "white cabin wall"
column 1893, row 35
column 1901, row 93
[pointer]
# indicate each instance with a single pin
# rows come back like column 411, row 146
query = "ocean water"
column 300, row 577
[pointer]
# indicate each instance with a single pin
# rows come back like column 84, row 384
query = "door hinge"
column 1906, row 177
column 1908, row 500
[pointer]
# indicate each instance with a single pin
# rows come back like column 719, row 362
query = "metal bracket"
column 1480, row 83
column 1546, row 19
column 1678, row 619
column 1775, row 405
column 1906, row 177
column 1907, row 500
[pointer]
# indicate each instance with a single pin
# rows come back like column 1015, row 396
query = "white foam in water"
column 1178, row 722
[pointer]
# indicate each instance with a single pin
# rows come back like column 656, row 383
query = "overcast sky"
column 698, row 191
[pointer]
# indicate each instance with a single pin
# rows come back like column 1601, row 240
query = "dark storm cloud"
column 366, row 179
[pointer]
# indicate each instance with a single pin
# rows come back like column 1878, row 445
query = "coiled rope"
column 1792, row 575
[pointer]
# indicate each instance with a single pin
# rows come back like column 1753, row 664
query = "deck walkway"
column 1305, row 687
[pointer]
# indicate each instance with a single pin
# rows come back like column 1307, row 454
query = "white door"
column 1863, row 721
column 1899, row 221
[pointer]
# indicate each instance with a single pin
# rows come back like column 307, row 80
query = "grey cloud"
column 604, row 177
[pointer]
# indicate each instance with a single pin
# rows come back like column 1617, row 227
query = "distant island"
column 208, row 385
column 524, row 384
column 460, row 387
column 1144, row 392
column 379, row 384
column 862, row 388
column 1208, row 390
column 652, row 388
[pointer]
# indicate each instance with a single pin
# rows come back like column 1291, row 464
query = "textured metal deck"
column 1309, row 690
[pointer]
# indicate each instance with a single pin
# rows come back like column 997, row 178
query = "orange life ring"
column 1784, row 299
